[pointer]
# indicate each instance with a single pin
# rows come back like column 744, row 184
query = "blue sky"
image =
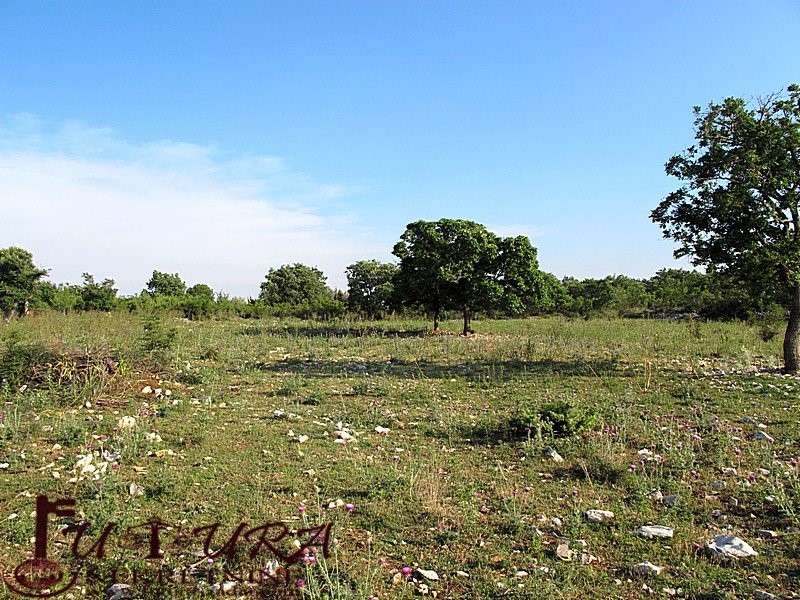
column 219, row 139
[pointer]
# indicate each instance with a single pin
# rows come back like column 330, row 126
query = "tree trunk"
column 791, row 342
column 467, row 319
column 436, row 319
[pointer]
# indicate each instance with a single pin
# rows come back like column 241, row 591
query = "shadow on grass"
column 333, row 331
column 478, row 371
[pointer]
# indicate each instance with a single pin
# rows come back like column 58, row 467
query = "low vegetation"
column 472, row 458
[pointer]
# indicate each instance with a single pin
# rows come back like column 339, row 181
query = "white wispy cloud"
column 84, row 200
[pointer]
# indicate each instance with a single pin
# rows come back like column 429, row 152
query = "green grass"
column 455, row 485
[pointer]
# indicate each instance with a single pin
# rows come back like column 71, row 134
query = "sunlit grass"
column 453, row 485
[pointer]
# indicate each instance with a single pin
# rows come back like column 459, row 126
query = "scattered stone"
column 563, row 552
column 587, row 559
column 655, row 495
column 427, row 574
column 669, row 501
column 718, row 515
column 762, row 435
column 118, row 591
column 718, row 484
column 729, row 471
column 557, row 523
column 752, row 421
column 728, row 546
column 521, row 574
column 767, row 534
column 762, row 595
column 381, row 430
column 655, row 531
column 599, row 516
column 462, row 574
column 147, row 390
column 551, row 453
column 646, row 569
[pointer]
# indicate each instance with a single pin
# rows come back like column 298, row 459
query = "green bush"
column 19, row 359
column 157, row 336
column 560, row 418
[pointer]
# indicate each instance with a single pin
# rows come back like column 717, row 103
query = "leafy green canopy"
column 458, row 264
column 166, row 284
column 296, row 284
column 370, row 286
column 738, row 208
column 18, row 278
column 737, row 211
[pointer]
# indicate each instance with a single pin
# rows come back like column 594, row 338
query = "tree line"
column 446, row 268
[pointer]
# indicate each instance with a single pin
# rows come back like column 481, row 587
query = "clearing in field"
column 283, row 458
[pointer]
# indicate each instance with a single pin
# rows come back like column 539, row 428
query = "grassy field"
column 422, row 451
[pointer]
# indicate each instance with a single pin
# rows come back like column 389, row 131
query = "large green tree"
column 18, row 278
column 737, row 209
column 370, row 286
column 166, row 284
column 297, row 285
column 454, row 264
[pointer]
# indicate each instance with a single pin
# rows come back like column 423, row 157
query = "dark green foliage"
column 157, row 336
column 97, row 296
column 738, row 209
column 18, row 359
column 560, row 418
column 18, row 279
column 201, row 290
column 567, row 418
column 454, row 264
column 296, row 290
column 198, row 303
column 165, row 284
column 370, row 287
column 295, row 284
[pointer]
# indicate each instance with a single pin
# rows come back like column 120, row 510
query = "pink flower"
column 737, row 451
column 694, row 473
column 309, row 560
column 406, row 571
column 300, row 583
column 301, row 509
column 349, row 507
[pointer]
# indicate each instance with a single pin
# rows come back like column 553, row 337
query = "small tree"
column 97, row 296
column 165, row 284
column 18, row 278
column 297, row 285
column 201, row 290
column 459, row 264
column 370, row 287
column 737, row 211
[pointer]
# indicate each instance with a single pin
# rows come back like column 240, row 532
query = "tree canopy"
column 296, row 284
column 460, row 265
column 370, row 287
column 18, row 278
column 737, row 211
column 166, row 284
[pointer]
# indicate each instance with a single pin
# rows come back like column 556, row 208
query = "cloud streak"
column 82, row 199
